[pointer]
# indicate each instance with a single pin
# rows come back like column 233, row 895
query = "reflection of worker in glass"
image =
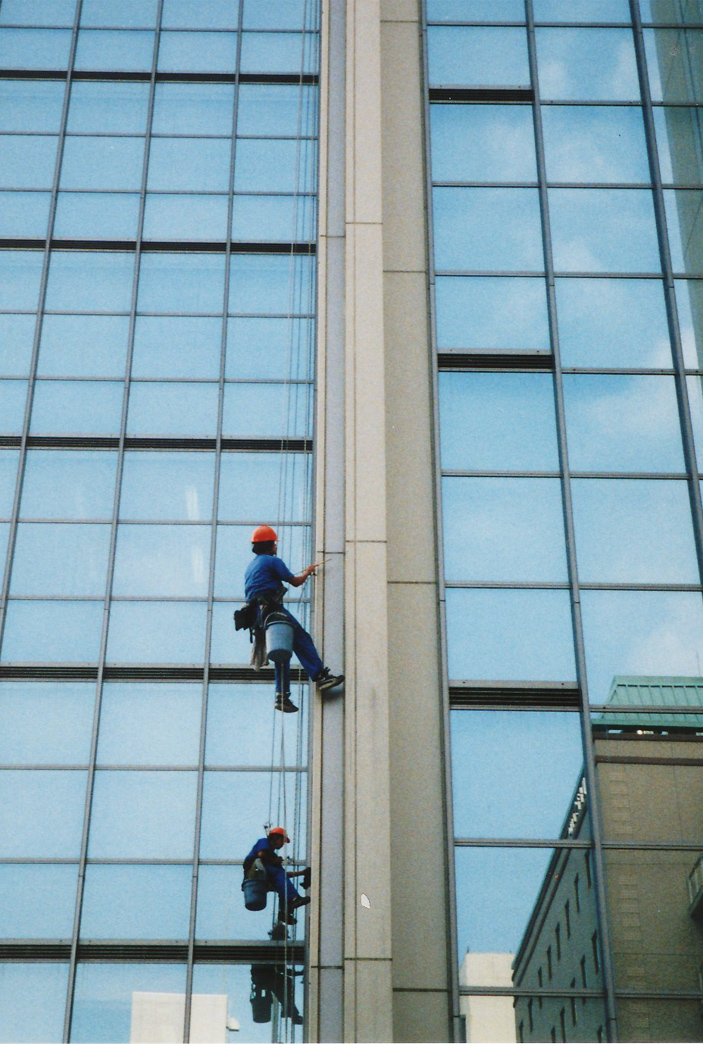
column 265, row 851
column 267, row 979
column 263, row 585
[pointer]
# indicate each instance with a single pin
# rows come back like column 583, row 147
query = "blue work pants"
column 304, row 649
column 282, row 883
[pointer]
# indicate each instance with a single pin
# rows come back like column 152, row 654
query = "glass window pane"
column 46, row 723
column 604, row 230
column 216, row 14
column 27, row 161
column 108, row 108
column 634, row 531
column 277, row 109
column 513, row 772
column 68, row 484
column 487, row 229
column 239, row 726
column 259, row 410
column 587, row 64
column 483, row 143
column 40, row 903
column 189, row 164
column 510, row 635
column 622, row 423
column 194, row 108
column 102, row 163
column 16, row 337
column 652, row 633
column 142, row 815
column 280, row 52
column 658, row 11
column 280, row 284
column 13, row 400
column 475, row 10
column 581, row 11
column 498, row 421
column 60, row 559
column 272, row 218
column 613, row 322
column 286, row 14
column 223, row 915
column 674, row 64
column 156, row 632
column 683, row 219
column 172, row 409
column 85, row 282
column 32, row 1002
column 267, row 348
column 41, row 814
column 493, row 312
column 478, row 57
column 38, row 12
column 274, row 165
column 174, row 486
column 198, row 52
column 34, row 48
column 162, row 561
column 249, row 486
column 52, row 632
column 180, row 217
column 594, row 144
column 689, row 302
column 4, row 541
column 143, row 724
column 234, row 555
column 130, row 14
column 20, row 275
column 8, row 477
column 177, row 347
column 679, row 133
column 106, row 49
column 235, row 983
column 76, row 408
column 83, row 346
column 485, row 536
column 225, row 836
column 181, row 283
column 136, row 902
column 695, row 398
column 31, row 105
column 24, row 214
column 96, row 215
column 108, row 997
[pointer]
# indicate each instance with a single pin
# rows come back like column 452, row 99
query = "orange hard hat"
column 279, row 830
column 263, row 535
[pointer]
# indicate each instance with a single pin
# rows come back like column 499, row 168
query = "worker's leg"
column 304, row 649
column 282, row 883
column 281, row 672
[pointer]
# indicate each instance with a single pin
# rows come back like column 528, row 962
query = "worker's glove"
column 307, row 877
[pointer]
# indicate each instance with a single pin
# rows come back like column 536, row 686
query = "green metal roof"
column 659, row 692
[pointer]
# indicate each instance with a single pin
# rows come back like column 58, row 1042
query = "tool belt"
column 254, row 613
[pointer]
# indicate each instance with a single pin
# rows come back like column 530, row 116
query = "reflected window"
column 27, row 160
column 130, row 14
column 194, row 108
column 587, row 64
column 82, row 281
column 292, row 14
column 172, row 409
column 225, row 836
column 96, row 215
column 475, row 10
column 35, row 48
column 180, row 217
column 222, row 914
column 38, row 12
column 260, row 410
column 276, row 110
column 485, row 535
column 40, row 903
column 478, row 56
column 104, row 107
column 595, row 144
column 255, row 992
column 83, row 346
column 136, row 902
column 483, row 143
column 108, row 49
column 270, row 218
column 32, row 1001
column 142, row 815
column 8, row 475
column 622, row 423
column 46, row 722
column 41, row 813
column 189, row 164
column 197, row 52
column 498, row 421
column 238, row 726
column 181, row 283
column 679, row 133
column 31, row 105
column 684, row 223
column 487, row 229
column 52, row 632
column 60, row 559
column 183, row 14
column 604, row 230
column 102, row 163
column 274, row 165
column 166, row 346
column 689, row 303
column 20, row 275
column 249, row 486
column 634, row 531
column 267, row 348
column 147, row 724
column 674, row 64
column 24, row 214
column 16, row 337
column 77, row 484
column 110, row 997
column 156, row 632
column 581, row 11
column 280, row 52
column 167, row 486
column 162, row 561
column 613, row 323
column 695, row 398
column 13, row 401
column 77, row 408
column 275, row 283
column 520, row 635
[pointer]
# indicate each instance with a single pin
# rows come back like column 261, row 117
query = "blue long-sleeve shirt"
column 264, row 575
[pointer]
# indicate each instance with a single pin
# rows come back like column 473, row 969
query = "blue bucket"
column 279, row 638
column 254, row 894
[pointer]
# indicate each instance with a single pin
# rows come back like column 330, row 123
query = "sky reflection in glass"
column 487, row 229
column 587, row 64
column 491, row 312
column 604, row 230
column 482, row 143
column 488, row 57
column 595, row 144
column 149, row 724
column 136, row 902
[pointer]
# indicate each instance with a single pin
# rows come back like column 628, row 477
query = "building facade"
column 419, row 283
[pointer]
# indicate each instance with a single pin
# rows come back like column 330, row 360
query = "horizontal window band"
column 495, row 360
column 166, row 952
column 160, row 246
column 525, row 991
column 499, row 585
column 623, row 759
column 457, row 93
column 509, row 695
column 518, row 842
column 138, row 672
column 141, row 76
column 609, row 708
column 136, row 442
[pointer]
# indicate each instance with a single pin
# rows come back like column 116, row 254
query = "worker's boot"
column 284, row 703
column 301, row 900
column 326, row 680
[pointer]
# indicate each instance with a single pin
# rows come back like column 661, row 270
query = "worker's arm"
column 298, row 581
column 267, row 856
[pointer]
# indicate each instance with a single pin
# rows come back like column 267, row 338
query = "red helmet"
column 279, row 830
column 263, row 535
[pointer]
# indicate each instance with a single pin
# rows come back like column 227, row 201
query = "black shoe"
column 326, row 680
column 302, row 900
column 284, row 703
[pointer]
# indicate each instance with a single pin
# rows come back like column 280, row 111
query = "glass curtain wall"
column 566, row 178
column 157, row 240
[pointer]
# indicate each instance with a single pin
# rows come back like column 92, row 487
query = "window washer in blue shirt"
column 263, row 584
column 266, row 851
